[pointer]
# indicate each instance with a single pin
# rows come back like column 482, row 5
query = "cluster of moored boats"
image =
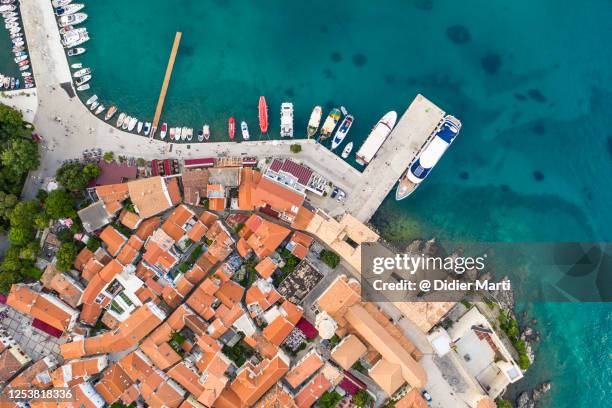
column 10, row 14
column 69, row 15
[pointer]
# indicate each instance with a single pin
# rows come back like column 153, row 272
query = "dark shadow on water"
column 359, row 60
column 536, row 95
column 458, row 34
column 336, row 56
column 491, row 63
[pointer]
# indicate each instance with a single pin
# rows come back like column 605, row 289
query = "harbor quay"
column 68, row 128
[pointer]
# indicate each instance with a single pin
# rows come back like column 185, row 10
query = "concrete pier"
column 166, row 83
column 68, row 128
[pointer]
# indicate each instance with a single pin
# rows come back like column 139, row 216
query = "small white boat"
column 72, row 30
column 82, row 80
column 60, row 3
column 347, row 150
column 139, row 127
column 81, row 72
column 109, row 114
column 189, row 134
column 94, row 105
column 100, row 109
column 172, row 133
column 76, row 51
column 342, row 131
column 91, row 100
column 147, row 128
column 206, row 131
column 77, row 65
column 7, row 7
column 20, row 58
column 72, row 19
column 68, row 9
column 178, row 133
column 200, row 135
column 126, row 122
column 120, row 119
column 184, row 133
column 163, row 131
column 132, row 124
column 83, row 87
column 286, row 119
column 244, row 128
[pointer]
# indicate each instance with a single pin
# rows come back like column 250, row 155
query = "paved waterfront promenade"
column 69, row 128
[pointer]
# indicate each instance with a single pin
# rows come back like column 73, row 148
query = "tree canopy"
column 65, row 256
column 59, row 204
column 20, row 156
column 75, row 176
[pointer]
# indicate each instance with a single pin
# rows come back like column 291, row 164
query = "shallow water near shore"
column 530, row 81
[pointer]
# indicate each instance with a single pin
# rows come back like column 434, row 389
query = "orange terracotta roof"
column 136, row 366
column 194, row 184
column 266, row 237
column 113, row 239
column 147, row 227
column 304, row 368
column 303, row 218
column 208, row 218
column 195, row 274
column 183, row 286
column 266, row 267
column 92, row 267
column 130, row 219
column 277, row 331
column 173, row 190
column 252, row 382
column 150, row 196
column 187, row 378
column 128, row 254
column 230, row 293
column 245, row 190
column 157, row 256
column 412, row 399
column 216, row 204
column 254, row 295
column 348, row 351
column 312, row 391
column 90, row 313
column 292, row 313
column 197, row 232
column 43, row 307
column 112, row 192
column 242, row 247
column 276, row 196
column 277, row 397
column 82, row 258
column 113, row 207
column 67, row 288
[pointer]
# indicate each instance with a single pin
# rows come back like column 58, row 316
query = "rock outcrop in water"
column 530, row 399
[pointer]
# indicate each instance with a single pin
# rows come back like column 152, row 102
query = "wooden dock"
column 164, row 88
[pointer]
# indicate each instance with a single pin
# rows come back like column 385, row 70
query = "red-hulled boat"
column 263, row 114
column 231, row 127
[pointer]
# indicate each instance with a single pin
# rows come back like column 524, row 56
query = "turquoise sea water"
column 532, row 85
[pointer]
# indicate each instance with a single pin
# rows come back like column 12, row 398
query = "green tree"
column 41, row 221
column 30, row 251
column 20, row 235
column 75, row 176
column 502, row 403
column 59, row 204
column 7, row 278
column 20, row 156
column 11, row 123
column 329, row 399
column 11, row 262
column 330, row 258
column 362, row 399
column 65, row 256
column 109, row 156
column 22, row 215
column 93, row 243
column 7, row 203
column 295, row 148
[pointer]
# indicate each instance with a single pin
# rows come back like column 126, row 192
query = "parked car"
column 334, row 192
column 427, row 397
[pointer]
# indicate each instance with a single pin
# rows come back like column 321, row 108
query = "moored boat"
column 132, row 124
column 100, row 109
column 330, row 124
column 68, row 9
column 91, row 100
column 147, row 128
column 72, row 19
column 126, row 122
column 347, row 150
column 244, row 129
column 109, row 114
column 184, row 132
column 231, row 127
column 76, row 51
column 206, row 131
column 286, row 129
column 82, row 80
column 163, row 131
column 77, row 65
column 60, row 3
column 342, row 131
column 200, row 135
column 178, row 134
column 376, row 138
column 139, row 126
column 189, row 134
column 425, row 160
column 94, row 105
column 314, row 121
column 263, row 114
column 120, row 119
column 81, row 72
column 83, row 87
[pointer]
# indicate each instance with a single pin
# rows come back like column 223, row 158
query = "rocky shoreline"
column 530, row 399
